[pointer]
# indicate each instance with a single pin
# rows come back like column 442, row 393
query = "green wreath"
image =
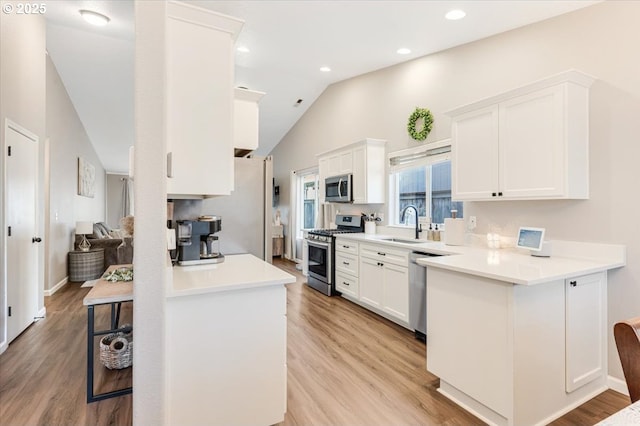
column 427, row 119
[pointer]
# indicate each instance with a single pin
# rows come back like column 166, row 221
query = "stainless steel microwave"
column 338, row 189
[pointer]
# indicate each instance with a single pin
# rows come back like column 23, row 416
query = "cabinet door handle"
column 573, row 283
column 493, row 194
column 347, row 247
column 382, row 254
column 499, row 194
column 345, row 263
column 169, row 164
column 36, row 240
column 380, row 264
column 345, row 283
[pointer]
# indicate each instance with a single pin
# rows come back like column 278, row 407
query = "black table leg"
column 91, row 334
column 90, row 343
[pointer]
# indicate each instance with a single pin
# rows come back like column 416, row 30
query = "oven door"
column 319, row 260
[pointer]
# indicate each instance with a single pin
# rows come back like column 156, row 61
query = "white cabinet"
column 365, row 160
column 545, row 341
column 340, row 163
column 199, row 76
column 246, row 119
column 586, row 317
column 346, row 266
column 384, row 281
column 529, row 143
column 225, row 352
column 368, row 173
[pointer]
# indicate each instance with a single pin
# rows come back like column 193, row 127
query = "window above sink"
column 421, row 177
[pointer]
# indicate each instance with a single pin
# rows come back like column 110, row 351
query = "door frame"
column 11, row 125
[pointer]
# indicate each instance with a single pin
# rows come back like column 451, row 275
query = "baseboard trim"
column 56, row 287
column 3, row 347
column 42, row 313
column 617, row 385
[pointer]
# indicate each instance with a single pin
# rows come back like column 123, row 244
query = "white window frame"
column 422, row 156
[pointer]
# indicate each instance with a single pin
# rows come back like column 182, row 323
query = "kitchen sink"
column 402, row 240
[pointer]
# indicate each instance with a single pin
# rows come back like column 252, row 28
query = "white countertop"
column 512, row 265
column 237, row 272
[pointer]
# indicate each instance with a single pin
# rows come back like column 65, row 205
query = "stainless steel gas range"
column 321, row 256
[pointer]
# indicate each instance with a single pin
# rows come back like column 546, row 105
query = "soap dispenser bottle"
column 436, row 234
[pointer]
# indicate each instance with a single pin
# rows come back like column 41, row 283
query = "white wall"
column 601, row 40
column 68, row 140
column 22, row 100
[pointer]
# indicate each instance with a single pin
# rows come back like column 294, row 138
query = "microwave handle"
column 339, row 188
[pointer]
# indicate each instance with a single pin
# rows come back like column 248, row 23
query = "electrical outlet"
column 472, row 223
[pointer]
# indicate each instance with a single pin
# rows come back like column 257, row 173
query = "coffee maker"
column 196, row 241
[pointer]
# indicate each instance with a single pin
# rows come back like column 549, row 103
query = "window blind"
column 415, row 157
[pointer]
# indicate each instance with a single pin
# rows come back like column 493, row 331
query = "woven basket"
column 116, row 349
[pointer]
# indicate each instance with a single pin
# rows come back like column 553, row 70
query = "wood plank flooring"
column 346, row 365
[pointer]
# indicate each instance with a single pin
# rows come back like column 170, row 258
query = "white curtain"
column 293, row 216
column 127, row 197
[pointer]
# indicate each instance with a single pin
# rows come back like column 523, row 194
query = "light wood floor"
column 346, row 367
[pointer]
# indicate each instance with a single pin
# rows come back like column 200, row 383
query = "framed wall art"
column 86, row 178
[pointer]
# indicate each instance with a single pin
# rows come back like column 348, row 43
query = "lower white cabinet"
column 346, row 266
column 371, row 291
column 585, row 320
column 498, row 346
column 347, row 284
column 384, row 281
column 226, row 356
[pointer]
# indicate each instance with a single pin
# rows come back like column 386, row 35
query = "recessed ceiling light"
column 243, row 49
column 403, row 51
column 455, row 14
column 94, row 18
column 325, row 69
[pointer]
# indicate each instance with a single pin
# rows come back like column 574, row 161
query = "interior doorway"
column 305, row 210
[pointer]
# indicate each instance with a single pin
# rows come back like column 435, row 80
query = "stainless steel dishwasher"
column 418, row 295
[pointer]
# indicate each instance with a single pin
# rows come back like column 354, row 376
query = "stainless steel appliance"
column 321, row 255
column 338, row 189
column 247, row 211
column 197, row 243
column 418, row 295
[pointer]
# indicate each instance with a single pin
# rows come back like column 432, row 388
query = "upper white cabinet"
column 199, row 75
column 529, row 143
column 246, row 119
column 365, row 160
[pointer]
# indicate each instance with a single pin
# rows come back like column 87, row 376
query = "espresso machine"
column 196, row 241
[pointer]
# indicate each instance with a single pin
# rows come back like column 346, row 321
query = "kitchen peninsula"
column 226, row 343
column 517, row 339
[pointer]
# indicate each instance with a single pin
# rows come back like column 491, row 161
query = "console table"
column 86, row 265
column 105, row 293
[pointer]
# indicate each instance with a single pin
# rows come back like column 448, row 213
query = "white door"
column 396, row 292
column 371, row 282
column 22, row 248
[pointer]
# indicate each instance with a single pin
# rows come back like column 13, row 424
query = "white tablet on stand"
column 533, row 240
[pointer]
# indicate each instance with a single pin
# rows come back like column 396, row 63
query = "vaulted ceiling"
column 288, row 42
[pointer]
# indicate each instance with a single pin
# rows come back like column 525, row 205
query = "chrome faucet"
column 418, row 226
